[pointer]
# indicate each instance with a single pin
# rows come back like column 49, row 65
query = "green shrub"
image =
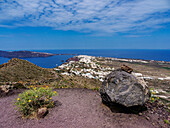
column 29, row 101
column 166, row 121
column 153, row 96
column 96, row 88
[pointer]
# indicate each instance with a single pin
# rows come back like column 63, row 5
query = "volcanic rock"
column 23, row 54
column 126, row 69
column 124, row 88
column 42, row 112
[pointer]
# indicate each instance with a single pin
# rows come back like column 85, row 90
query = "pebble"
column 140, row 114
column 147, row 118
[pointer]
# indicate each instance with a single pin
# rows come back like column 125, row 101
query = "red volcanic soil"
column 75, row 108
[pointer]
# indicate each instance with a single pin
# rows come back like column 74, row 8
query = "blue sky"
column 84, row 24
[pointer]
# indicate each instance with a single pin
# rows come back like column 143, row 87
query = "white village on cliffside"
column 91, row 67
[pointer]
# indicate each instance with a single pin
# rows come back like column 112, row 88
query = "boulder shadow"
column 118, row 108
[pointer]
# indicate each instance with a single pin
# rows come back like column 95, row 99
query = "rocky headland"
column 26, row 54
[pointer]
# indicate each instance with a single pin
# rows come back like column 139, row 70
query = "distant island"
column 26, row 54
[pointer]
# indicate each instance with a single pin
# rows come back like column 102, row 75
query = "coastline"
column 109, row 62
column 60, row 56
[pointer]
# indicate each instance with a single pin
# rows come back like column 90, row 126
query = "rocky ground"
column 83, row 108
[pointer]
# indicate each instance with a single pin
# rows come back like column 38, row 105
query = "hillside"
column 22, row 70
column 155, row 73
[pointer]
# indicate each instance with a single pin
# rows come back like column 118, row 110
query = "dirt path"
column 76, row 108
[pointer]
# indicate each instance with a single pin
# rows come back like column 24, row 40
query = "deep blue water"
column 50, row 62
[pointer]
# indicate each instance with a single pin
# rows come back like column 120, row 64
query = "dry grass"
column 150, row 69
column 76, row 82
column 22, row 70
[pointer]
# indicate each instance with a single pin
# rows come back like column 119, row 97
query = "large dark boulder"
column 124, row 88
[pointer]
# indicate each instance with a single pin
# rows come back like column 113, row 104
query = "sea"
column 54, row 61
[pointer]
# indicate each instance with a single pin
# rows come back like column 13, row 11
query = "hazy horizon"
column 72, row 49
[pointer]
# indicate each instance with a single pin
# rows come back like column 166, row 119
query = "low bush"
column 31, row 100
column 166, row 121
column 153, row 96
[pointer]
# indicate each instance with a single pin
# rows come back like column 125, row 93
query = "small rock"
column 126, row 69
column 140, row 114
column 6, row 90
column 42, row 112
column 147, row 118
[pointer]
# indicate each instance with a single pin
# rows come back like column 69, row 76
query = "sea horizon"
column 53, row 61
column 76, row 49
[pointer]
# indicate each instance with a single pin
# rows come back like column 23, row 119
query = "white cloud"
column 96, row 16
column 132, row 36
